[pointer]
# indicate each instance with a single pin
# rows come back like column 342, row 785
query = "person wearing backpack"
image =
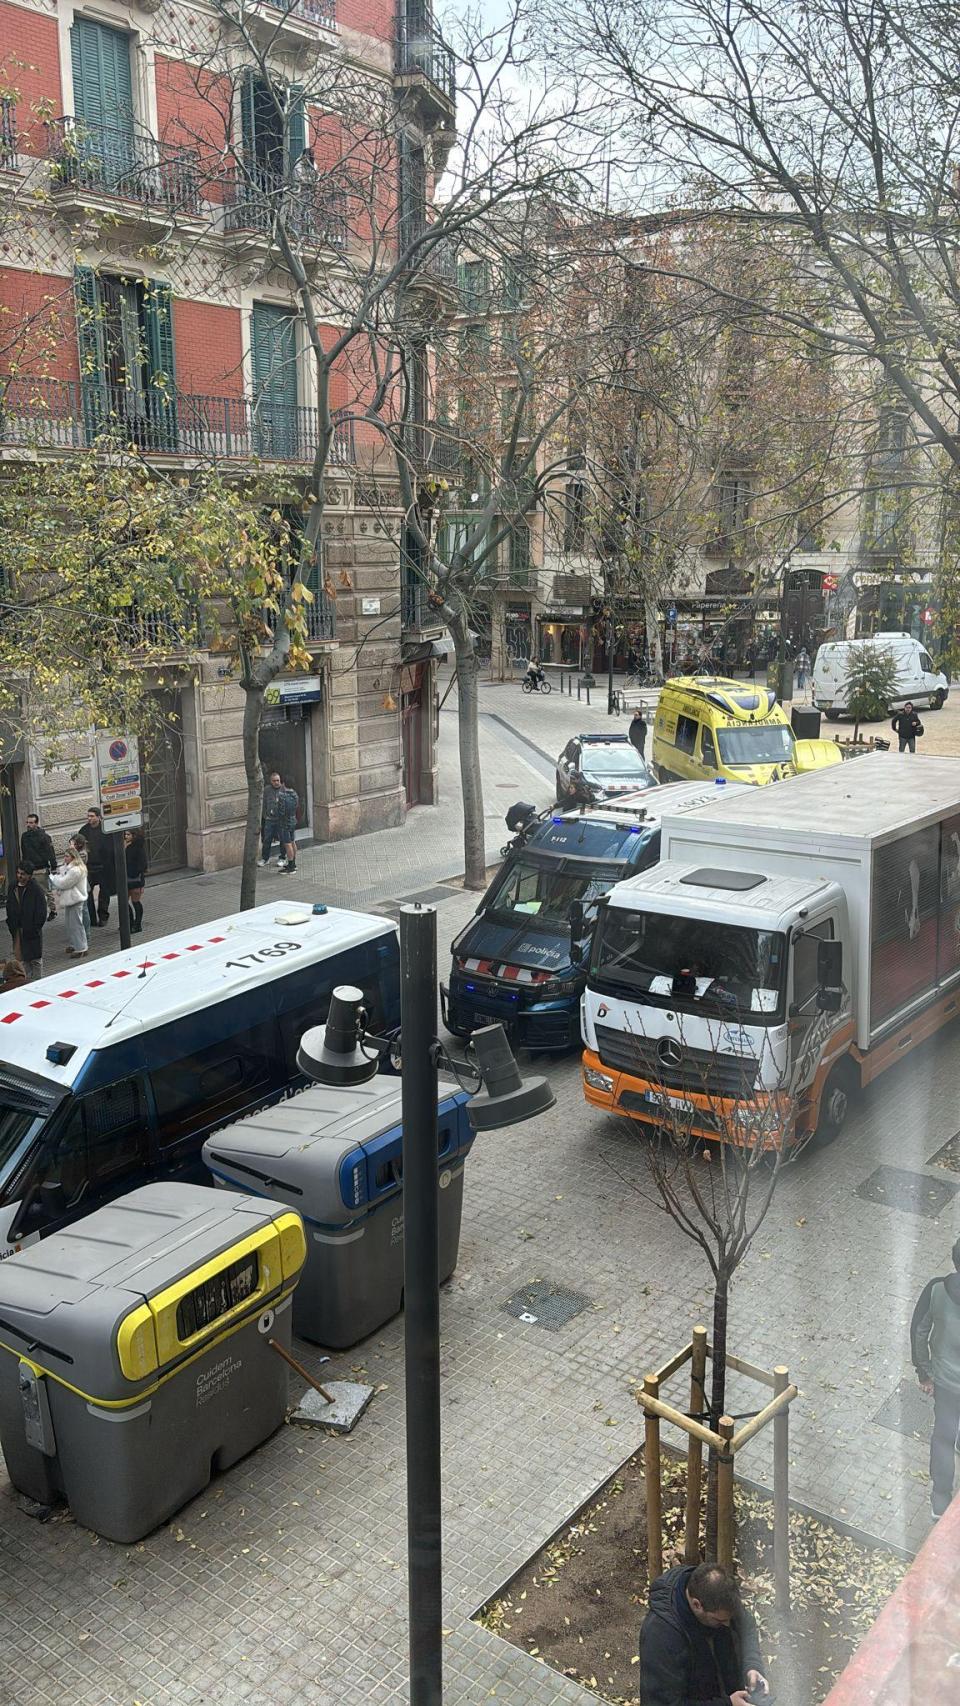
column 288, row 807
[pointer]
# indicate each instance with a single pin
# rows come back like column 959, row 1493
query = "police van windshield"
column 762, row 743
column 537, row 891
column 691, row 964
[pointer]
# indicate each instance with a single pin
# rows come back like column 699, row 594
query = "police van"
column 112, row 1074
column 521, row 961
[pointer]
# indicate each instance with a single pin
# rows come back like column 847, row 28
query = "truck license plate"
column 659, row 1099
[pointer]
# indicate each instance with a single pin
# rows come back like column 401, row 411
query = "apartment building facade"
column 143, row 147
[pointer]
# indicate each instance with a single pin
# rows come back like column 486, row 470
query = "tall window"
column 520, row 553
column 125, row 343
column 575, row 517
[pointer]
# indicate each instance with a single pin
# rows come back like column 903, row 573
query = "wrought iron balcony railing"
column 321, row 617
column 422, row 49
column 116, row 161
column 314, row 212
column 434, row 446
column 321, row 12
column 61, row 414
column 8, row 134
column 416, row 610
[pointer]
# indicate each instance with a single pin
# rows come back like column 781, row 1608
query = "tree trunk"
column 718, row 1398
column 471, row 780
column 252, row 717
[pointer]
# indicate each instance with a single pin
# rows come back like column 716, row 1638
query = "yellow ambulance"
column 707, row 726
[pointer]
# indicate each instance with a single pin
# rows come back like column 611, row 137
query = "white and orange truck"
column 803, row 935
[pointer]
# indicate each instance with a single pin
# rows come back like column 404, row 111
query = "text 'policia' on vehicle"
column 521, row 959
column 113, row 1077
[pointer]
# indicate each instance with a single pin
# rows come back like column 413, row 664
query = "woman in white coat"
column 70, row 883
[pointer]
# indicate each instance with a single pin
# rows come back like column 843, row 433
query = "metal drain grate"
column 914, row 1193
column 541, row 1304
column 907, row 1411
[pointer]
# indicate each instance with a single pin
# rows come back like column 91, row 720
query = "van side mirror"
column 575, row 916
column 829, row 977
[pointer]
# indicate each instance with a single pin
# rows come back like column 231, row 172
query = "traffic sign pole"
column 123, row 892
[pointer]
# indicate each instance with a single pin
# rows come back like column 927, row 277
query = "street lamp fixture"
column 342, row 1053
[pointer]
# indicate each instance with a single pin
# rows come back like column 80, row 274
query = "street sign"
column 118, row 769
column 927, row 617
column 830, row 583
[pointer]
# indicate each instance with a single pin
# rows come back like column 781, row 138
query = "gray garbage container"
column 337, row 1156
column 135, row 1357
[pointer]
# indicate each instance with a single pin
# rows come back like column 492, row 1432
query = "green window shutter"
column 102, row 79
column 273, row 359
column 248, row 118
column 88, row 308
column 296, row 124
column 161, row 394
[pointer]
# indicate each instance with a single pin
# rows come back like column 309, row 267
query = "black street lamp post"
column 343, row 1053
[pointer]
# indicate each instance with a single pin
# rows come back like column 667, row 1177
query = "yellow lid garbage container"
column 134, row 1351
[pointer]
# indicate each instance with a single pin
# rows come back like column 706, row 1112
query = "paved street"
column 285, row 1582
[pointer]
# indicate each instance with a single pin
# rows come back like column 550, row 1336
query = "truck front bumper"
column 757, row 1122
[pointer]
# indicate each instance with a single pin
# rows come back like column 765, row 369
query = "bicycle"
column 529, row 686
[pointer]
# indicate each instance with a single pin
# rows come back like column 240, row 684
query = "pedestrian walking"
column 71, row 884
column 26, row 917
column 935, row 1348
column 698, row 1642
column 802, row 667
column 907, row 727
column 37, row 849
column 638, row 730
column 99, row 854
column 288, row 805
column 271, row 795
column 135, row 854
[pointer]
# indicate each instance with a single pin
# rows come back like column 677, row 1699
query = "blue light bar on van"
column 59, row 1053
column 556, row 820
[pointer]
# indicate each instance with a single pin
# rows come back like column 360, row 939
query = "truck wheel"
column 936, row 701
column 839, row 1090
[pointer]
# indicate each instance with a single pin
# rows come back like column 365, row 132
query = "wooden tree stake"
column 651, row 1477
column 781, row 1494
column 698, row 1375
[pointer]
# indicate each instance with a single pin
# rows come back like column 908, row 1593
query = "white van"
column 113, row 1074
column 918, row 678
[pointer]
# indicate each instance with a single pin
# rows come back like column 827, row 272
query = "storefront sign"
column 299, row 690
column 118, row 768
column 563, row 613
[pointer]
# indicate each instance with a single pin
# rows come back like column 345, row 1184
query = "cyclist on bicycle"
column 535, row 674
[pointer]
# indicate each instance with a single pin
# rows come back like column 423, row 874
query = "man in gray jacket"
column 935, row 1348
column 271, row 817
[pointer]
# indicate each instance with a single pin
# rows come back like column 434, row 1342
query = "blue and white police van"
column 512, row 963
column 113, row 1073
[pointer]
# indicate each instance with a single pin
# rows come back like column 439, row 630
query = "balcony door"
column 103, row 105
column 273, row 359
column 125, row 346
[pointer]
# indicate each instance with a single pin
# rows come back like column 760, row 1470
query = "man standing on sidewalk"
column 638, row 730
column 37, row 849
column 99, row 852
column 271, row 825
column 935, row 1348
column 26, row 917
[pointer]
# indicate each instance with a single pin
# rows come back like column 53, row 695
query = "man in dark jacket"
column 698, row 1643
column 37, row 849
column 935, row 1348
column 638, row 730
column 907, row 726
column 271, row 796
column 99, row 851
column 26, row 917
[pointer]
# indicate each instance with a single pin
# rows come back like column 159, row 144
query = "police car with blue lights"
column 522, row 959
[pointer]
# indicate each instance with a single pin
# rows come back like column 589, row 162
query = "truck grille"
column 699, row 1070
